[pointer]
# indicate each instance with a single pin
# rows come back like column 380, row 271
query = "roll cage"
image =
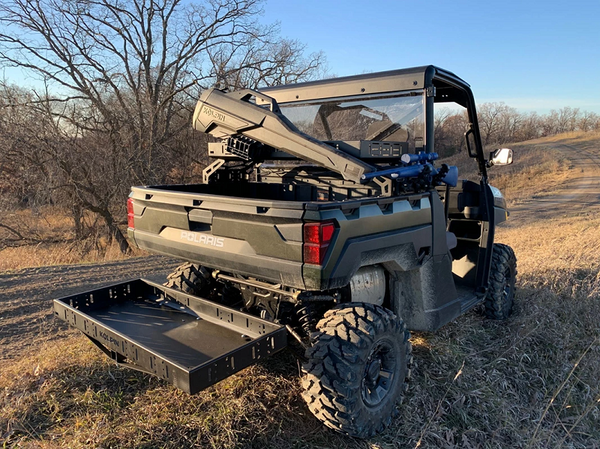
column 438, row 85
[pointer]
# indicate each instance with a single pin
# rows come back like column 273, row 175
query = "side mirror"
column 501, row 156
column 471, row 144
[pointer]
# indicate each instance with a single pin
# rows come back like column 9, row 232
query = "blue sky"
column 533, row 55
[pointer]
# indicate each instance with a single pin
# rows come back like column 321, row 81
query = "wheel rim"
column 379, row 373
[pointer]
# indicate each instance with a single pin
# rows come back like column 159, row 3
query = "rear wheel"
column 501, row 291
column 189, row 278
column 357, row 369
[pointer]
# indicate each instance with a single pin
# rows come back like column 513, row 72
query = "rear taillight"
column 317, row 237
column 130, row 213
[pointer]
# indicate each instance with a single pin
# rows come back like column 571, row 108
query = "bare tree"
column 501, row 124
column 25, row 172
column 589, row 121
column 264, row 64
column 450, row 131
column 123, row 75
column 497, row 122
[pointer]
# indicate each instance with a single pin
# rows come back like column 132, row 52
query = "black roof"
column 378, row 82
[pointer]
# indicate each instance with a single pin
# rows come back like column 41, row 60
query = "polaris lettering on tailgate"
column 204, row 239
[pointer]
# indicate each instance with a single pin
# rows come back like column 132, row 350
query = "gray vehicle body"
column 429, row 246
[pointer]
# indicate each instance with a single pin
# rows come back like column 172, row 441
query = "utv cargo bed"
column 189, row 341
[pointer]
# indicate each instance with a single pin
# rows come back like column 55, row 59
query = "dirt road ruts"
column 26, row 295
column 580, row 193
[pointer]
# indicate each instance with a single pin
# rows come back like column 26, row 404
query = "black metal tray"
column 189, row 341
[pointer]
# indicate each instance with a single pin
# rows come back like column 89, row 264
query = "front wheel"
column 357, row 369
column 501, row 291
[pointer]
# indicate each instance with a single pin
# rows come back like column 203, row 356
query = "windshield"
column 392, row 117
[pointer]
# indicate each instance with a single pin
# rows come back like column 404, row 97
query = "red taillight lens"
column 313, row 254
column 327, row 230
column 130, row 214
column 312, row 233
column 317, row 237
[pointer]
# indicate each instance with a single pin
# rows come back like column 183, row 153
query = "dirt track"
column 26, row 296
column 581, row 193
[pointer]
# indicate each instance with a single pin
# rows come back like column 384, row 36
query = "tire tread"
column 330, row 380
column 503, row 258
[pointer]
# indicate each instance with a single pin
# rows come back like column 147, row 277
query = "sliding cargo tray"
column 189, row 341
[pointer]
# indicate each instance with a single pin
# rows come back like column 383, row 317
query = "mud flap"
column 189, row 341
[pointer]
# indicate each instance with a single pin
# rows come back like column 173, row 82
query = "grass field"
column 48, row 240
column 529, row 382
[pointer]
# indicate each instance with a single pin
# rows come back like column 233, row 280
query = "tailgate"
column 258, row 238
column 189, row 341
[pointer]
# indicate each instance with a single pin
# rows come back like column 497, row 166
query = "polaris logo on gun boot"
column 203, row 239
column 214, row 114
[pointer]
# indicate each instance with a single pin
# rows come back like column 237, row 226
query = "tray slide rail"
column 189, row 341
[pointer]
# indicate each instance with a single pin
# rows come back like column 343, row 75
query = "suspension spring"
column 307, row 318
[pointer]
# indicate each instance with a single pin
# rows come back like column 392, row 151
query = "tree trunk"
column 121, row 240
column 77, row 215
column 114, row 231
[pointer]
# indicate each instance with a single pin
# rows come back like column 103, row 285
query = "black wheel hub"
column 379, row 372
column 372, row 375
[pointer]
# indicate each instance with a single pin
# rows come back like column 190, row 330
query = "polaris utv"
column 324, row 223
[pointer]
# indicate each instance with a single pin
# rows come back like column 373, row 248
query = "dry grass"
column 529, row 382
column 60, row 253
column 557, row 250
column 48, row 240
column 585, row 140
column 537, row 168
column 68, row 395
